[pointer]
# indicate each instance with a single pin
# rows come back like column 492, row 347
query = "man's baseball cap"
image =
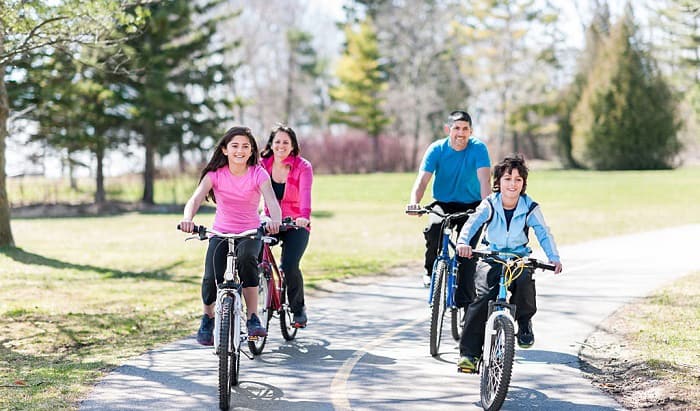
column 459, row 115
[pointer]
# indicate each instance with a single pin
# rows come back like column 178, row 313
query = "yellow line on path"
column 339, row 394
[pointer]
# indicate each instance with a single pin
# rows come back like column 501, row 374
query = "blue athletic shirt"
column 454, row 172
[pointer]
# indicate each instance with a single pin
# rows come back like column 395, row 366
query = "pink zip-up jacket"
column 296, row 201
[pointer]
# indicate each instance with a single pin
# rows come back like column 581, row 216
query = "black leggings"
column 247, row 251
column 294, row 244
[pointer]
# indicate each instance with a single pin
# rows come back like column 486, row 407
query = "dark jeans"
column 294, row 244
column 464, row 293
column 247, row 251
column 486, row 279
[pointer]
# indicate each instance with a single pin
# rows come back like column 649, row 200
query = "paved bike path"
column 367, row 344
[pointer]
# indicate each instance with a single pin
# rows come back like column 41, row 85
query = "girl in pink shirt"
column 234, row 181
column 292, row 177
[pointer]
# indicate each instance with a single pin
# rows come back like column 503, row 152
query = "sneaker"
column 426, row 280
column 300, row 319
column 468, row 364
column 254, row 327
column 205, row 335
column 526, row 338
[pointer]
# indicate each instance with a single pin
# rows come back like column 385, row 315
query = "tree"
column 509, row 52
column 362, row 82
column 28, row 26
column 626, row 116
column 596, row 32
column 302, row 66
column 173, row 81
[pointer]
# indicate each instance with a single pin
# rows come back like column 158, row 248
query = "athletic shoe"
column 426, row 280
column 468, row 364
column 526, row 338
column 255, row 329
column 300, row 319
column 205, row 335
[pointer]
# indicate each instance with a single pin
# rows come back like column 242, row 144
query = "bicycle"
column 443, row 279
column 496, row 365
column 228, row 313
column 272, row 292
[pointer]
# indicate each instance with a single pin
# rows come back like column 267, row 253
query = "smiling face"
column 238, row 150
column 282, row 145
column 511, row 184
column 459, row 134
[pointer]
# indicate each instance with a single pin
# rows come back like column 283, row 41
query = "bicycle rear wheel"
column 286, row 316
column 457, row 321
column 438, row 307
column 496, row 373
column 225, row 353
column 264, row 312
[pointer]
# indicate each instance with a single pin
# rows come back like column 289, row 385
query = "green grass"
column 79, row 295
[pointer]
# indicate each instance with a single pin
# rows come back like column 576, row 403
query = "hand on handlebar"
column 464, row 250
column 557, row 267
column 301, row 222
column 272, row 227
column 412, row 209
column 186, row 225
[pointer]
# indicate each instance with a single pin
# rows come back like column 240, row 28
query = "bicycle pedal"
column 467, row 370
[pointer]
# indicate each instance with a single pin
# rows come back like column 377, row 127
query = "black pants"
column 486, row 279
column 464, row 293
column 247, row 251
column 294, row 244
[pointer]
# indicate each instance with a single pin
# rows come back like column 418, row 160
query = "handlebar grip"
column 545, row 266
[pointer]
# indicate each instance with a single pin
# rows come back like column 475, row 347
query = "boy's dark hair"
column 459, row 115
column 507, row 165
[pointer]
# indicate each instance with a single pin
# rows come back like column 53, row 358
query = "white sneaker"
column 426, row 281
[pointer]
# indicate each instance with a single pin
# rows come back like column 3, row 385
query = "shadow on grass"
column 28, row 258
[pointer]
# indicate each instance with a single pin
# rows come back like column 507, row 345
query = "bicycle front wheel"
column 437, row 310
column 264, row 312
column 496, row 373
column 226, row 352
column 286, row 316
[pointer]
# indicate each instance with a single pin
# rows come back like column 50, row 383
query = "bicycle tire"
column 264, row 312
column 286, row 317
column 225, row 353
column 457, row 322
column 495, row 375
column 437, row 309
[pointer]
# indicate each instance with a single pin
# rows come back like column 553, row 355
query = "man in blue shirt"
column 461, row 166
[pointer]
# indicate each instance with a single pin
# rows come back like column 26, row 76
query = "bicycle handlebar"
column 498, row 256
column 430, row 209
column 202, row 231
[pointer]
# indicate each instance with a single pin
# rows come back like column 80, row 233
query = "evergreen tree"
column 596, row 33
column 626, row 116
column 362, row 82
column 28, row 27
column 175, row 80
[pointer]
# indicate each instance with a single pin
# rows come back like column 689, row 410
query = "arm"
column 484, row 176
column 470, row 228
column 545, row 237
column 418, row 189
column 306, row 178
column 200, row 193
column 272, row 206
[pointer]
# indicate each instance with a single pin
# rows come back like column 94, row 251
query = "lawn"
column 79, row 295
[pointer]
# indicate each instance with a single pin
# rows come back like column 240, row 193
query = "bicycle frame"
column 452, row 266
column 231, row 286
column 498, row 308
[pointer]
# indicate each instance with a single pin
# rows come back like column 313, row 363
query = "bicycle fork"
column 498, row 308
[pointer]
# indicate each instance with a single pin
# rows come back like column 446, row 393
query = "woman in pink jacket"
column 292, row 177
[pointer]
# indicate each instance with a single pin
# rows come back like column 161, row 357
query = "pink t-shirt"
column 237, row 198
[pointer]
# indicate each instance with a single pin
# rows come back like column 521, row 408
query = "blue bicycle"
column 443, row 280
column 496, row 365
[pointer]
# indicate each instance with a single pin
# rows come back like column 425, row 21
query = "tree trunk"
column 100, row 196
column 377, row 158
column 5, row 229
column 182, row 164
column 148, row 174
column 290, row 88
column 416, row 140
